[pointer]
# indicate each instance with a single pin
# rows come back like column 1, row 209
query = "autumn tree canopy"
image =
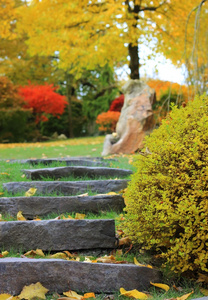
column 83, row 34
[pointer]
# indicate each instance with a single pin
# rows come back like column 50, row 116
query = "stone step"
column 67, row 187
column 72, row 161
column 61, row 275
column 58, row 235
column 91, row 172
column 32, row 207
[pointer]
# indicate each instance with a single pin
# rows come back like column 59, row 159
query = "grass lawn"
column 90, row 146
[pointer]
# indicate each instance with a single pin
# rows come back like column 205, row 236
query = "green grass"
column 91, row 146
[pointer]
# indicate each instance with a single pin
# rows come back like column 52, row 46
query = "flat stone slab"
column 67, row 187
column 72, row 161
column 60, row 276
column 57, row 235
column 91, row 172
column 32, row 207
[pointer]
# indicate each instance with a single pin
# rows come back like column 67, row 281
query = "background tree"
column 108, row 31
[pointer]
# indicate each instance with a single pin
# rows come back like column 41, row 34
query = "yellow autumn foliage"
column 167, row 206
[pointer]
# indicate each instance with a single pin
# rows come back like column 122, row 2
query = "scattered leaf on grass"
column 59, row 255
column 4, row 253
column 20, row 216
column 133, row 293
column 34, row 253
column 1, row 193
column 141, row 265
column 4, row 173
column 202, row 278
column 124, row 241
column 79, row 216
column 73, row 295
column 184, row 297
column 30, row 192
column 33, row 290
column 83, row 195
column 161, row 285
column 204, row 291
column 89, row 295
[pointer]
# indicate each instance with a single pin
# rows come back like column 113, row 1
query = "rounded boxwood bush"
column 167, row 197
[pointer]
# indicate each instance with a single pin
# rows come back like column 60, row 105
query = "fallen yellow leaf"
column 30, row 192
column 124, row 241
column 73, row 295
column 79, row 216
column 137, row 263
column 133, row 293
column 4, row 173
column 204, row 292
column 184, row 297
column 89, row 295
column 1, row 193
column 83, row 195
column 59, row 255
column 20, row 216
column 161, row 285
column 32, row 291
column 111, row 193
column 107, row 259
column 4, row 253
column 5, row 296
column 202, row 278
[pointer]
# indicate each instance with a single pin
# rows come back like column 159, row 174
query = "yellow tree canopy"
column 85, row 33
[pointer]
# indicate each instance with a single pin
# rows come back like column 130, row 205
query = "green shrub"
column 167, row 198
column 14, row 126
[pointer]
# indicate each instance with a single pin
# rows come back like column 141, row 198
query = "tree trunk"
column 70, row 92
column 134, row 61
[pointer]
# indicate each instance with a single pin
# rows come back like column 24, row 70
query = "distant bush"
column 61, row 124
column 167, row 198
column 13, row 117
column 107, row 121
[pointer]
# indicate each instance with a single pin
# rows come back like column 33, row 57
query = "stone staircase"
column 59, row 275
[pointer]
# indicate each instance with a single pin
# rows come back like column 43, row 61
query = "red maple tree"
column 43, row 100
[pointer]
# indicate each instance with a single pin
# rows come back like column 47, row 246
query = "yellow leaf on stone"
column 133, row 293
column 184, row 297
column 73, row 295
column 59, row 255
column 161, row 285
column 80, row 216
column 33, row 291
column 30, row 192
column 89, row 295
column 20, row 216
column 111, row 193
column 5, row 253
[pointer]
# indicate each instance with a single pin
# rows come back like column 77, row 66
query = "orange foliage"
column 108, row 121
column 161, row 87
column 168, row 92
